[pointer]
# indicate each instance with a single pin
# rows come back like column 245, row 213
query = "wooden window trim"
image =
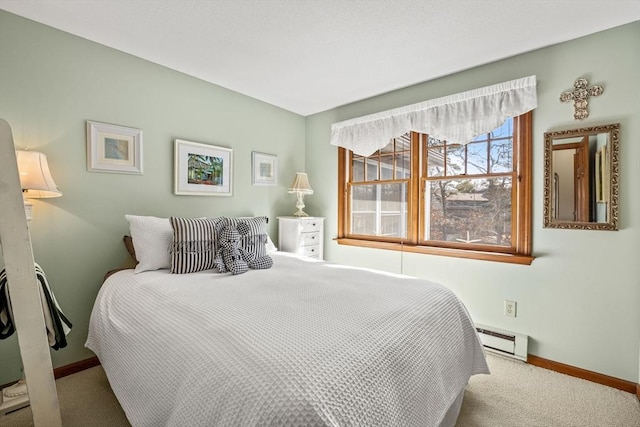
column 524, row 129
column 519, row 254
column 510, row 258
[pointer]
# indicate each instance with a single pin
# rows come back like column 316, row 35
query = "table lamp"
column 300, row 186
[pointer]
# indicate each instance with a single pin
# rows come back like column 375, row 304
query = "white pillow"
column 270, row 246
column 152, row 238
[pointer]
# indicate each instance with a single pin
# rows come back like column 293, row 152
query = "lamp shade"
column 300, row 184
column 35, row 178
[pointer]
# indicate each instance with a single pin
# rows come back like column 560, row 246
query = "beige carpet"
column 520, row 395
column 514, row 395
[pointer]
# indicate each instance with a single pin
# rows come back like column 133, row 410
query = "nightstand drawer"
column 303, row 236
column 311, row 251
column 309, row 225
column 307, row 239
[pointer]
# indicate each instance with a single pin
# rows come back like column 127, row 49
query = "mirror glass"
column 581, row 178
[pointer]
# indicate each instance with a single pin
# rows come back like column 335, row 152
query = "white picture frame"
column 113, row 148
column 264, row 169
column 202, row 169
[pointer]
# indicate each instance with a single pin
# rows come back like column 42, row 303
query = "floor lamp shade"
column 35, row 178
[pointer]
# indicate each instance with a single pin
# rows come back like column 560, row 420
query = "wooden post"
column 23, row 289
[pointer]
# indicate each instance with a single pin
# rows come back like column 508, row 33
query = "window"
column 421, row 194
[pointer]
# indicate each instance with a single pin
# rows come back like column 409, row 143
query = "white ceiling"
column 308, row 56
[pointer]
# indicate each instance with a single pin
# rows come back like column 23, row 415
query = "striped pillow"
column 255, row 241
column 194, row 244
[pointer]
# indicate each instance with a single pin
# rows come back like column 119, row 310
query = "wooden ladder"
column 28, row 318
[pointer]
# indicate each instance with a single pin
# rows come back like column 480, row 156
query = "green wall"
column 580, row 299
column 50, row 84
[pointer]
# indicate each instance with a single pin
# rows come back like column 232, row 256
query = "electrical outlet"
column 510, row 308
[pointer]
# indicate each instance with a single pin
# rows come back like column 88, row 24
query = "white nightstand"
column 301, row 235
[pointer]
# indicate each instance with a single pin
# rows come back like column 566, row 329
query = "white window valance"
column 456, row 118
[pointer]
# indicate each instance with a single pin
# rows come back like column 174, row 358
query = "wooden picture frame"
column 202, row 169
column 601, row 175
column 113, row 148
column 264, row 168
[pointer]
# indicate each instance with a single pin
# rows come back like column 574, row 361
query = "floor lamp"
column 37, row 183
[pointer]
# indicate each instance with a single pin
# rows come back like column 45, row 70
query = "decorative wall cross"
column 580, row 97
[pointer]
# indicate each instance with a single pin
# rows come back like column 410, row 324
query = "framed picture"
column 202, row 169
column 264, row 169
column 113, row 149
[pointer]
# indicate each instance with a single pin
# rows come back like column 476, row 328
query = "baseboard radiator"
column 503, row 342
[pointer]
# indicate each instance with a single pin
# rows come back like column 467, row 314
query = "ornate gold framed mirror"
column 581, row 178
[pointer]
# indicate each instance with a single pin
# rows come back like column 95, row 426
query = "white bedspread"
column 304, row 343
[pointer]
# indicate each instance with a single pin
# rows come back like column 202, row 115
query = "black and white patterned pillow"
column 194, row 244
column 254, row 242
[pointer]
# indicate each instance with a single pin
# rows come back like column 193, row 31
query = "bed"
column 304, row 343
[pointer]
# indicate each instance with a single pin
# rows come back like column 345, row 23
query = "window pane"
column 477, row 158
column 403, row 166
column 361, row 222
column 455, row 160
column 392, row 225
column 433, row 142
column 404, row 142
column 358, row 169
column 379, row 209
column 435, row 161
column 364, row 198
column 481, row 137
column 388, row 148
column 386, row 166
column 372, row 169
column 470, row 211
column 505, row 130
column 501, row 156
